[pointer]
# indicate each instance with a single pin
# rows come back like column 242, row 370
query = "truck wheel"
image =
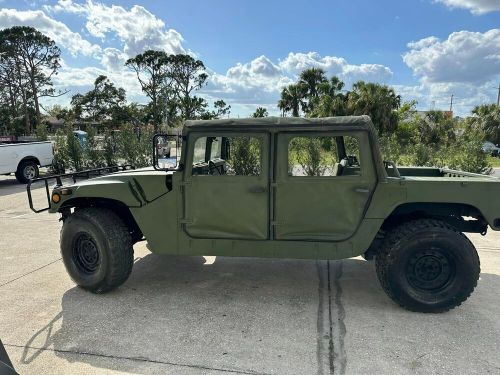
column 427, row 266
column 96, row 249
column 27, row 170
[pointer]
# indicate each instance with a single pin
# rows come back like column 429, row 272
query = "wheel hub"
column 429, row 270
column 29, row 172
column 86, row 254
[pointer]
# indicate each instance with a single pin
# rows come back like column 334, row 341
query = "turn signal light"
column 56, row 198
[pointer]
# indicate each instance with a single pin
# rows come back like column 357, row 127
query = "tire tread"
column 121, row 251
column 386, row 257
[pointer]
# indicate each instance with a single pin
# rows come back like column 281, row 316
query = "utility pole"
column 451, row 103
column 498, row 95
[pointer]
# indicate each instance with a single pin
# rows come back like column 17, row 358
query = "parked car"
column 25, row 158
column 491, row 148
column 236, row 191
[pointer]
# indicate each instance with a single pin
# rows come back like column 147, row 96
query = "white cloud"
column 80, row 80
column 56, row 30
column 465, row 65
column 296, row 62
column 465, row 57
column 438, row 95
column 137, row 28
column 475, row 6
column 113, row 59
column 260, row 81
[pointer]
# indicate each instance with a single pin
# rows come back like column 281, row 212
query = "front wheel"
column 96, row 248
column 427, row 266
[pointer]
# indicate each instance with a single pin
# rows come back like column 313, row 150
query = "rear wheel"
column 96, row 248
column 427, row 266
column 27, row 170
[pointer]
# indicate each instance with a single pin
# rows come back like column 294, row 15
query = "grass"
column 494, row 161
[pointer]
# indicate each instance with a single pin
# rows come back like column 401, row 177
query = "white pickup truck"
column 24, row 159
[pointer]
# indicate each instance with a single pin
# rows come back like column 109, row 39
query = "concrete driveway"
column 195, row 315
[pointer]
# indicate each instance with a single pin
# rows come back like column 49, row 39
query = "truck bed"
column 434, row 172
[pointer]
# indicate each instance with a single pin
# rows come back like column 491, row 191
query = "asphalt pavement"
column 197, row 315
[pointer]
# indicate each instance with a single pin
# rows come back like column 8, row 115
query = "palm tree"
column 311, row 78
column 331, row 101
column 377, row 101
column 260, row 112
column 292, row 99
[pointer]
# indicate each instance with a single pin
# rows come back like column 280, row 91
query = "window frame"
column 333, row 134
column 193, row 137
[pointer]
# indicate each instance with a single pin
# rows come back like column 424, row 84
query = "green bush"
column 75, row 155
column 308, row 152
column 465, row 153
column 41, row 132
column 110, row 149
column 60, row 161
column 93, row 155
column 245, row 156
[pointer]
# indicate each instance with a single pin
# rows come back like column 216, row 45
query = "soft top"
column 361, row 121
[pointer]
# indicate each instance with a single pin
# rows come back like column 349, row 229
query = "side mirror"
column 166, row 152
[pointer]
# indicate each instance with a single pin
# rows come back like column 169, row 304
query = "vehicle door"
column 226, row 185
column 324, row 182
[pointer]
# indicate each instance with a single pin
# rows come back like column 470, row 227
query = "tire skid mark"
column 331, row 347
column 338, row 320
column 330, row 350
column 322, row 324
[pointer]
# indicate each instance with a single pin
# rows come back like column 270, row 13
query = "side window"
column 323, row 156
column 199, row 151
column 231, row 156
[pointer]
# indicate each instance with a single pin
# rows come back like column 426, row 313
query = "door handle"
column 362, row 190
column 257, row 189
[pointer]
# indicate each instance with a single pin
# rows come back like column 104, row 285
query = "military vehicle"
column 283, row 188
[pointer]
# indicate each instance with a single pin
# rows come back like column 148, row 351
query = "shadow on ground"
column 245, row 315
column 9, row 185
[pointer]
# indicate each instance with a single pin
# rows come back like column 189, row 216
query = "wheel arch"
column 28, row 158
column 451, row 213
column 119, row 208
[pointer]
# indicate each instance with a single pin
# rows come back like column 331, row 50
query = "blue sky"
column 426, row 49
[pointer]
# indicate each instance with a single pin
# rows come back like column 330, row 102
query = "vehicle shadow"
column 235, row 314
column 9, row 185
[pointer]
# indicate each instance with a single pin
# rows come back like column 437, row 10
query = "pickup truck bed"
column 434, row 172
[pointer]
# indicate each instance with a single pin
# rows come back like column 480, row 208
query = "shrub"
column 60, row 161
column 92, row 153
column 75, row 155
column 245, row 155
column 41, row 132
column 308, row 153
column 110, row 149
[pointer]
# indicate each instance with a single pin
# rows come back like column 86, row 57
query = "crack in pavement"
column 331, row 358
column 139, row 359
column 30, row 272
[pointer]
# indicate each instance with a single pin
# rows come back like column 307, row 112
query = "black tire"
column 96, row 249
column 27, row 170
column 427, row 266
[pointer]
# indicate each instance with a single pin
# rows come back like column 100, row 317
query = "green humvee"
column 285, row 188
